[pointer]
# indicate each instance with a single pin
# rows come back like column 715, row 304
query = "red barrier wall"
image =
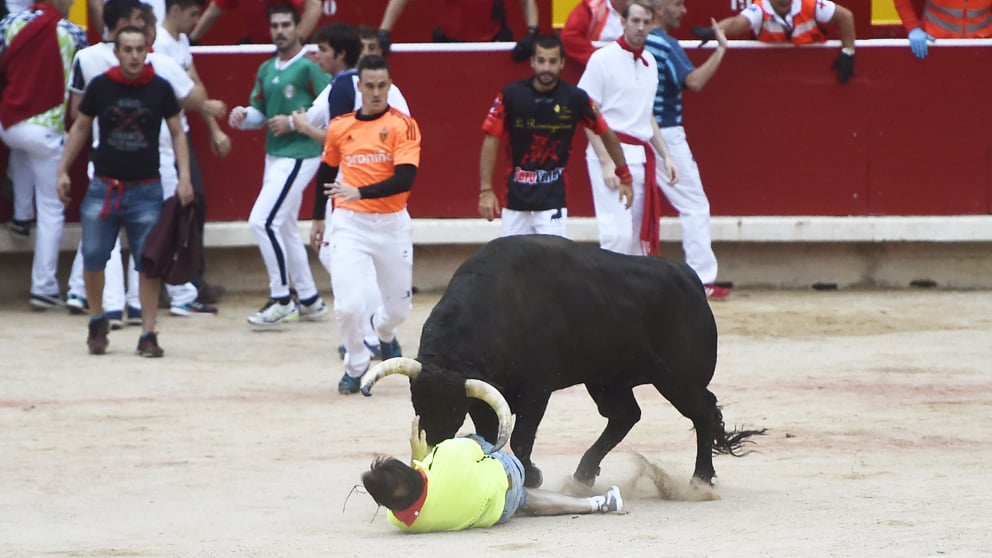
column 773, row 132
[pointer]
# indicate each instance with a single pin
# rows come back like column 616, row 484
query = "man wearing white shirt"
column 623, row 79
column 172, row 40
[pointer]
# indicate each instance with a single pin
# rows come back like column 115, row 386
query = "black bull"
column 534, row 314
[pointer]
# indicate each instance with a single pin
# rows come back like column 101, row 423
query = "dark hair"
column 368, row 32
column 128, row 29
column 342, row 38
column 285, row 9
column 148, row 16
column 550, row 41
column 372, row 62
column 184, row 4
column 116, row 10
column 389, row 476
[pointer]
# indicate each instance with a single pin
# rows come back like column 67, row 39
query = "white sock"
column 596, row 503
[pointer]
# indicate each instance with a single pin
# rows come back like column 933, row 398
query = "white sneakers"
column 274, row 313
column 613, row 503
column 313, row 312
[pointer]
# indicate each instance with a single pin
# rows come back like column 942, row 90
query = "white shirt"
column 613, row 28
column 178, row 51
column 624, row 88
column 824, row 13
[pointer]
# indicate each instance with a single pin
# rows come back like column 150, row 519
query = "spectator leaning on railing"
column 944, row 19
column 798, row 22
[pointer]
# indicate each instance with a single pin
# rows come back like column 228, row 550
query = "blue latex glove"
column 918, row 42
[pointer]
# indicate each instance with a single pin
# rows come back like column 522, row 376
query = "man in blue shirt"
column 676, row 72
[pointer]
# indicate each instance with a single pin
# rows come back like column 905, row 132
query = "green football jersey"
column 283, row 91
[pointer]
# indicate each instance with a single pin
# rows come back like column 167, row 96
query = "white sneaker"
column 314, row 311
column 614, row 503
column 274, row 313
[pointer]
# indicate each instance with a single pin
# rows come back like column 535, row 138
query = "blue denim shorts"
column 135, row 207
column 516, row 496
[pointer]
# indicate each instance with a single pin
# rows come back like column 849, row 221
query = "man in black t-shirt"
column 128, row 103
column 540, row 115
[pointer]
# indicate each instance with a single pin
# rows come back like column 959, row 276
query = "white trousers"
column 549, row 221
column 371, row 290
column 689, row 199
column 619, row 228
column 686, row 196
column 273, row 219
column 357, row 240
column 34, row 158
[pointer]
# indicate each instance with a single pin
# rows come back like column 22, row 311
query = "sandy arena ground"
column 237, row 443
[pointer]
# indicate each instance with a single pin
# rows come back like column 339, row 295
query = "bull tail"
column 734, row 442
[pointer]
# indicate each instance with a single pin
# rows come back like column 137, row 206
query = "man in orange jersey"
column 369, row 163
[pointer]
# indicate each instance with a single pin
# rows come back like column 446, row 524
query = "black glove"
column 384, row 40
column 844, row 66
column 525, row 46
column 705, row 33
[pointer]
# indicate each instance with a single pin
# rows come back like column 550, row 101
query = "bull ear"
column 399, row 365
column 486, row 392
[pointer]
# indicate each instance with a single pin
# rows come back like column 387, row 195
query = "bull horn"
column 486, row 392
column 398, row 365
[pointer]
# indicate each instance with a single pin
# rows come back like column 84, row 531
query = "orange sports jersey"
column 366, row 152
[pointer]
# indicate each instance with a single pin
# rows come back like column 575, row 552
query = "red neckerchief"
column 146, row 75
column 638, row 53
column 651, row 219
column 409, row 515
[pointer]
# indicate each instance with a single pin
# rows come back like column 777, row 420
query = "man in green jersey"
column 283, row 84
column 463, row 483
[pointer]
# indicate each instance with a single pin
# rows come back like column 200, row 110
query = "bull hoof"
column 533, row 478
column 587, row 478
column 700, row 482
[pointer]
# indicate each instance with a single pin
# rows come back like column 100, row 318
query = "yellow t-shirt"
column 465, row 488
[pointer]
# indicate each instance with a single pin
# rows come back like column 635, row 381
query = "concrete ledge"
column 941, row 229
column 769, row 252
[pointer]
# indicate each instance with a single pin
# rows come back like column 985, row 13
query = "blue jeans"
column 106, row 209
column 516, row 496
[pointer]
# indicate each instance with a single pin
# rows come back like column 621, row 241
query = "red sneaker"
column 714, row 292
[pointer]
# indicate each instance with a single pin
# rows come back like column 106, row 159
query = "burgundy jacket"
column 172, row 249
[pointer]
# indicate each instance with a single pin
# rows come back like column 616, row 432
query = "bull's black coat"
column 534, row 314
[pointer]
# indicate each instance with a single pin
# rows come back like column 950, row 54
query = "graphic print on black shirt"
column 129, row 118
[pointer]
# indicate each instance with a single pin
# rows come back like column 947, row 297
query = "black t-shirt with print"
column 129, row 118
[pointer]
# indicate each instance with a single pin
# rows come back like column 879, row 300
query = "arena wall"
column 802, row 173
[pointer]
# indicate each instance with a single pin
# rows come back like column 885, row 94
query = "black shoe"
column 148, row 346
column 97, row 339
column 47, row 302
column 20, row 230
column 210, row 294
